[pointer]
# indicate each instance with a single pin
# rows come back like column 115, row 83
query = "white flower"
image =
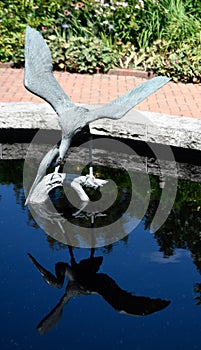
column 140, row 5
column 123, row 4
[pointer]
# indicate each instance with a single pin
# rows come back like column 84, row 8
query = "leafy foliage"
column 81, row 54
column 90, row 35
column 183, row 64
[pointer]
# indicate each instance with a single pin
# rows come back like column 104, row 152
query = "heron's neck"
column 64, row 146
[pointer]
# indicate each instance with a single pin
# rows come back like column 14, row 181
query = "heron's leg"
column 56, row 170
column 90, row 156
column 56, row 173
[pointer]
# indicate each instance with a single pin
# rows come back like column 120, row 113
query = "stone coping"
column 151, row 127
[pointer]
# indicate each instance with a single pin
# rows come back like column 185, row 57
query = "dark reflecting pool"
column 141, row 292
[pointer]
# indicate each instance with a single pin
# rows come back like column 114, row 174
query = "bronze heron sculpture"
column 39, row 79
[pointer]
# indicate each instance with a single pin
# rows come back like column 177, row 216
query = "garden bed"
column 99, row 35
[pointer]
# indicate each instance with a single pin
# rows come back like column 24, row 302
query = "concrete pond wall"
column 148, row 127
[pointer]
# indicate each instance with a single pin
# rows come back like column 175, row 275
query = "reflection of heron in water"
column 83, row 279
column 40, row 81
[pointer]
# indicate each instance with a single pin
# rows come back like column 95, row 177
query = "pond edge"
column 170, row 130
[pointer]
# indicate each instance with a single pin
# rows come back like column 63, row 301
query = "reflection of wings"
column 39, row 78
column 123, row 301
column 49, row 278
column 50, row 321
column 105, row 286
column 82, row 271
column 83, row 280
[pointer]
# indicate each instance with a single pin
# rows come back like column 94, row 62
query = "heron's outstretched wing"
column 38, row 77
column 120, row 106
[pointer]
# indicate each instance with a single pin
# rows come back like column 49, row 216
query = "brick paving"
column 174, row 99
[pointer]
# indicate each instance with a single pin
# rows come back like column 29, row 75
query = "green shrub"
column 90, row 35
column 81, row 54
column 183, row 64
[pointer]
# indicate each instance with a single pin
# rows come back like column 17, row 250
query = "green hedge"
column 96, row 35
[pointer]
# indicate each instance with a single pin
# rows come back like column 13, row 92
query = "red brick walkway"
column 175, row 99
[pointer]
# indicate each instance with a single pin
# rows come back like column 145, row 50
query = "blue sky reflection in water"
column 165, row 265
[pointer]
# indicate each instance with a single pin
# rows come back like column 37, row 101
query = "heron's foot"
column 54, row 180
column 86, row 181
column 56, row 176
column 91, row 181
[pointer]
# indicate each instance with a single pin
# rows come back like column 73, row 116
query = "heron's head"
column 63, row 149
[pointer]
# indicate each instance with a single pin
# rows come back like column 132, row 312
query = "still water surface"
column 163, row 267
